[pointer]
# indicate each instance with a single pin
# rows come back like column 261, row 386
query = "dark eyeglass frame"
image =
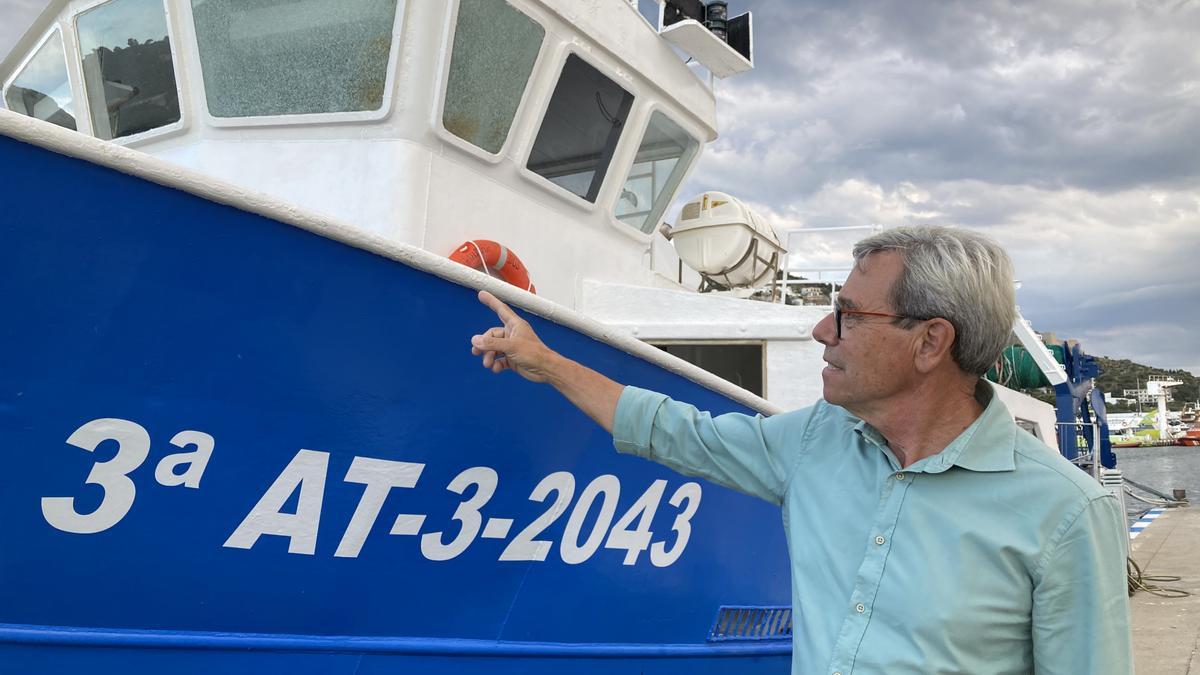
column 838, row 313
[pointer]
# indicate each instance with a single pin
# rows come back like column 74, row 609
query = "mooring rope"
column 1138, row 581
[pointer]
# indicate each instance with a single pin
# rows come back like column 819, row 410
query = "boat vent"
column 752, row 623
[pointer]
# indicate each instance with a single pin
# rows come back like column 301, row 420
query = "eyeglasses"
column 838, row 313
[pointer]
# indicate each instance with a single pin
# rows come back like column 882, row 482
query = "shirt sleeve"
column 751, row 454
column 1081, row 603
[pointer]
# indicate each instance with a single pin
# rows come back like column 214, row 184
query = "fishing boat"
column 1190, row 437
column 241, row 423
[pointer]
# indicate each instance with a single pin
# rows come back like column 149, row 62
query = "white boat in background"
column 234, row 268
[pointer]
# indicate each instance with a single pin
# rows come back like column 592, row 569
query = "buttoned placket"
column 870, row 572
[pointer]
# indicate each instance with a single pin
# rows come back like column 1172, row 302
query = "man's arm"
column 734, row 450
column 1081, row 603
column 514, row 346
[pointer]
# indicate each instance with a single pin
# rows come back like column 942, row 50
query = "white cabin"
column 559, row 128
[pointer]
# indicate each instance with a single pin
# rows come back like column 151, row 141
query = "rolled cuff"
column 634, row 420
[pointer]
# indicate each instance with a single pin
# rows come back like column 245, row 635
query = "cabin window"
column 741, row 364
column 42, row 89
column 580, row 131
column 495, row 47
column 128, row 74
column 281, row 57
column 649, row 9
column 662, row 158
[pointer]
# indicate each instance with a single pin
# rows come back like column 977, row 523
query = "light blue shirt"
column 996, row 555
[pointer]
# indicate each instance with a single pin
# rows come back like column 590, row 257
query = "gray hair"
column 958, row 275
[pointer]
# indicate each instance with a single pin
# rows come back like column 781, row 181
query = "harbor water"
column 1163, row 468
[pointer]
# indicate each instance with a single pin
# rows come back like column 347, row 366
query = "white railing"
column 816, row 274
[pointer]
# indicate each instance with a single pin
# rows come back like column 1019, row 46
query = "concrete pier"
column 1166, row 631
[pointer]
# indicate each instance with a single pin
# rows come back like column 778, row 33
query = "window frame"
column 385, row 109
column 645, row 115
column 564, row 53
column 762, row 343
column 72, row 82
column 175, row 128
column 527, row 96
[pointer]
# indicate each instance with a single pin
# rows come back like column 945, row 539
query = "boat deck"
column 1166, row 631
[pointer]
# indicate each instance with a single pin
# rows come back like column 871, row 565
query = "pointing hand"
column 513, row 345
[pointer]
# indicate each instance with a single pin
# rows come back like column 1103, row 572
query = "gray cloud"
column 1102, row 97
column 1069, row 131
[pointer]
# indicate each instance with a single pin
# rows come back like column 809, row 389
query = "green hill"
column 1117, row 375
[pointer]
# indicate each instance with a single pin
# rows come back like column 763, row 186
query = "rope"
column 1138, row 582
column 1151, row 490
column 1155, row 502
column 487, row 269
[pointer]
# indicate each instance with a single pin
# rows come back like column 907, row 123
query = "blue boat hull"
column 288, row 453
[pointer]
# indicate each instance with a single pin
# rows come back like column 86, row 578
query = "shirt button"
column 900, row 476
column 879, row 540
column 860, row 608
column 837, row 672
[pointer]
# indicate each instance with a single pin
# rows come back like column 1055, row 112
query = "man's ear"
column 936, row 341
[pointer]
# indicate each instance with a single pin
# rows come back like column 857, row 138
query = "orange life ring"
column 488, row 256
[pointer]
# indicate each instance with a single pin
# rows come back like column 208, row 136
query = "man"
column 952, row 540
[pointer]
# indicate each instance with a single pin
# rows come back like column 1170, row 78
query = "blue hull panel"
column 57, row 661
column 274, row 427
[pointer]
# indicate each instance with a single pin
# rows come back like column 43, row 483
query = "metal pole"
column 1114, row 482
column 784, row 281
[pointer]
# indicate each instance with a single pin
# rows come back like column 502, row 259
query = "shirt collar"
column 988, row 444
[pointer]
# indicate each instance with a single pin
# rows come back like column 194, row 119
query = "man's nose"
column 825, row 332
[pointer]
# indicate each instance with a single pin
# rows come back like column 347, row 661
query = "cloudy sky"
column 1068, row 130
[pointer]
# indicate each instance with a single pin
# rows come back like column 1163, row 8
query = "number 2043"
column 306, row 474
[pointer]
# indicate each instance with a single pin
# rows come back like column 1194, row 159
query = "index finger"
column 502, row 310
